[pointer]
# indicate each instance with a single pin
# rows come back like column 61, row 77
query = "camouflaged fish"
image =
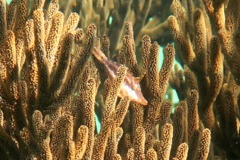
column 130, row 86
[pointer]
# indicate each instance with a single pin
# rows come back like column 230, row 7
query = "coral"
column 207, row 44
column 58, row 102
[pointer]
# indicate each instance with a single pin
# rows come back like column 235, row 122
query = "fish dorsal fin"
column 99, row 55
column 138, row 79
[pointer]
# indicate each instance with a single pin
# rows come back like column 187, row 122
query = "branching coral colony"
column 52, row 88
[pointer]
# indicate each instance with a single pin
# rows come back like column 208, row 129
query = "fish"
column 130, row 86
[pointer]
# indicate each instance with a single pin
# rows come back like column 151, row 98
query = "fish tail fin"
column 99, row 55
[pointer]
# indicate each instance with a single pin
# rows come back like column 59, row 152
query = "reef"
column 54, row 92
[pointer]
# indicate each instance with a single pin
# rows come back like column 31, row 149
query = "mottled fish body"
column 130, row 86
